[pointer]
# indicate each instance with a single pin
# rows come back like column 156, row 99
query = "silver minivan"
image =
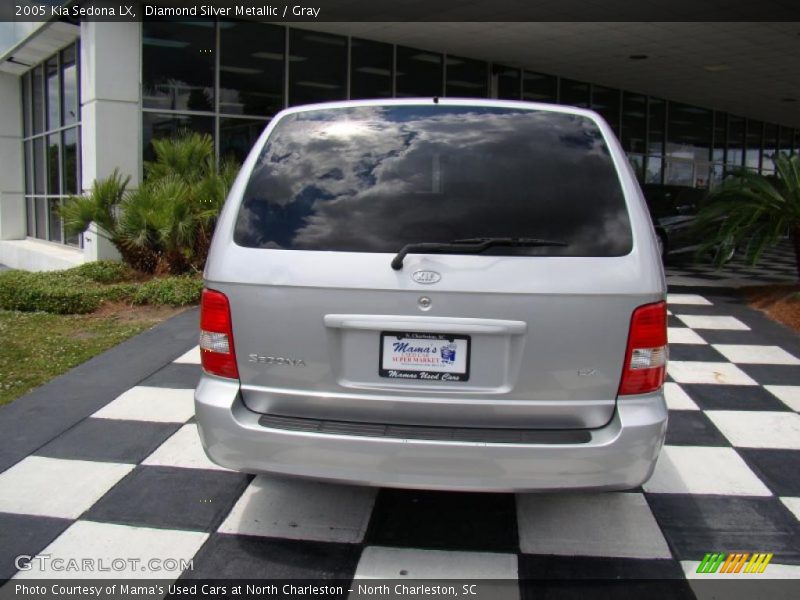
column 436, row 293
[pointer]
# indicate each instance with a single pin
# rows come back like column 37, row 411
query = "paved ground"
column 106, row 462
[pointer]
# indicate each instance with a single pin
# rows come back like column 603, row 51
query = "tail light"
column 216, row 335
column 645, row 365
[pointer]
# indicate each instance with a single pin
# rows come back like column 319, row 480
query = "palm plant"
column 166, row 224
column 753, row 212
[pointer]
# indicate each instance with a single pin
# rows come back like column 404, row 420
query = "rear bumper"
column 620, row 455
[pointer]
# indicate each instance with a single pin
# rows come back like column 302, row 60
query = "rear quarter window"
column 374, row 178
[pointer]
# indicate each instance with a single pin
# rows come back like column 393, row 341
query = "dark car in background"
column 674, row 209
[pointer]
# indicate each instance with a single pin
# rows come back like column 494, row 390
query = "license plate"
column 424, row 356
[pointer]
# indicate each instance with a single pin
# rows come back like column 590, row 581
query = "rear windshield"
column 374, row 178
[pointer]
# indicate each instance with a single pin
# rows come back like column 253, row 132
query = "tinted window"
column 508, row 83
column 537, row 87
column 157, row 126
column 317, row 67
column 237, row 136
column 69, row 78
column 371, row 179
column 251, row 68
column 467, row 77
column 370, row 69
column 419, row 73
column 178, row 65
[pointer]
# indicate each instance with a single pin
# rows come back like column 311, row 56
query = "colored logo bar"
column 735, row 562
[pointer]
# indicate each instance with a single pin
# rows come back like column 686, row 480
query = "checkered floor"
column 132, row 481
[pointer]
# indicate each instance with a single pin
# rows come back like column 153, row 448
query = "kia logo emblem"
column 426, row 277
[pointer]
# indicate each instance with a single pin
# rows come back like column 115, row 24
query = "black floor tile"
column 695, row 352
column 25, row 534
column 695, row 524
column 778, row 469
column 170, row 497
column 180, row 376
column 693, row 428
column 226, row 556
column 732, row 397
column 109, row 440
column 444, row 520
column 773, row 374
column 567, row 577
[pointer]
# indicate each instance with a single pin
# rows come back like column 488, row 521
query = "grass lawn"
column 38, row 346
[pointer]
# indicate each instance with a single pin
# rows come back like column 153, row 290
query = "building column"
column 12, row 201
column 110, row 111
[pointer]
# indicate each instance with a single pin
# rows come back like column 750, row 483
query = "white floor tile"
column 793, row 504
column 605, row 524
column 687, row 299
column 683, row 335
column 788, row 394
column 758, row 429
column 142, row 403
column 56, row 487
column 773, row 571
column 703, row 470
column 719, row 373
column 106, row 542
column 182, row 449
column 677, row 399
column 300, row 509
column 756, row 355
column 709, row 322
column 192, row 357
column 379, row 562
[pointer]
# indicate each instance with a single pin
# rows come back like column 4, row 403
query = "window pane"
column 720, row 136
column 317, row 67
column 157, row 126
column 38, row 166
column 178, row 65
column 654, row 169
column 656, row 117
column 53, row 165
column 41, row 218
column 30, row 221
column 606, row 102
column 467, row 78
column 537, row 87
column 509, row 83
column 770, row 146
column 69, row 77
column 419, row 73
column 735, row 154
column 634, row 122
column 55, row 220
column 251, row 68
column 28, row 158
column 53, row 95
column 237, row 136
column 785, row 140
column 38, row 99
column 371, row 69
column 755, row 131
column 429, row 173
column 26, row 104
column 574, row 93
column 70, row 152
column 689, row 132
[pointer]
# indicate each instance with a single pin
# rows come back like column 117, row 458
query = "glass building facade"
column 51, row 142
column 229, row 78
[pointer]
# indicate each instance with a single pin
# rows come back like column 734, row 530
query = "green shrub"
column 54, row 292
column 103, row 271
column 169, row 291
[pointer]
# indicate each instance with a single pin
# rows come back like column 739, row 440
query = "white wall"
column 110, row 104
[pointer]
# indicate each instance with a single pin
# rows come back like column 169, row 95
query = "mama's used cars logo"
column 734, row 562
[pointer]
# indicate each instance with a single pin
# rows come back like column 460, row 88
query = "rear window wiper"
column 468, row 246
